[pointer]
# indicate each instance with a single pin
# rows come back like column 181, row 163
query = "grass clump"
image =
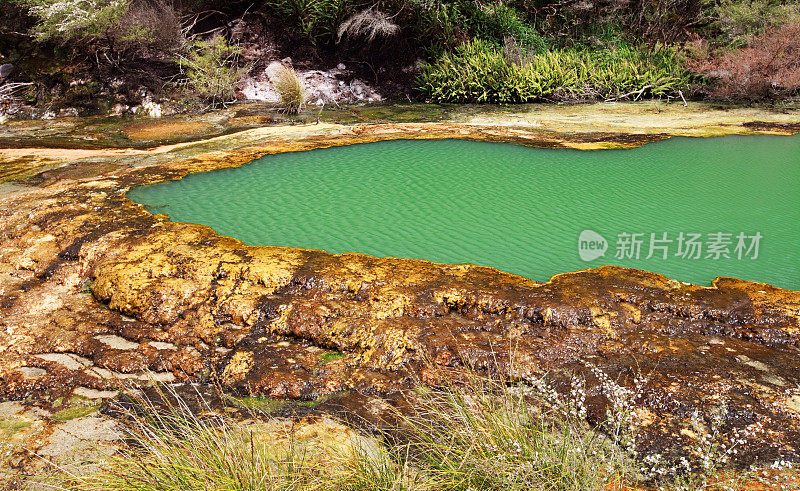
column 470, row 433
column 367, row 25
column 480, row 71
column 485, row 435
column 175, row 448
column 290, row 89
column 479, row 435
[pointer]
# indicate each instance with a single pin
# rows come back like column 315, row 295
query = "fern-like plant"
column 480, row 71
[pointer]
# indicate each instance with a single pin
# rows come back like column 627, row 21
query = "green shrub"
column 439, row 25
column 496, row 22
column 478, row 71
column 317, row 21
column 118, row 27
column 212, row 69
column 77, row 19
column 739, row 20
column 436, row 24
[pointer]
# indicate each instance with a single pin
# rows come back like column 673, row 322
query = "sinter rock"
column 5, row 70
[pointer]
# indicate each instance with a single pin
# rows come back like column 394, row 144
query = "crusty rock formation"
column 96, row 293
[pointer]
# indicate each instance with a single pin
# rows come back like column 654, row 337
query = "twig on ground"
column 638, row 94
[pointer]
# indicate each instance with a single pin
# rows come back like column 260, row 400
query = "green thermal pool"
column 519, row 209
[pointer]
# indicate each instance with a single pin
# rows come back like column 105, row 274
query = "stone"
column 67, row 360
column 5, row 70
column 29, row 373
column 322, row 86
column 162, row 346
column 119, row 109
column 116, row 342
column 9, row 409
column 95, row 394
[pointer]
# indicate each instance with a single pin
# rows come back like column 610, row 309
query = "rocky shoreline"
column 97, row 294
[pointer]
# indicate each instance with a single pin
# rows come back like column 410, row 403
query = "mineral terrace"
column 97, row 294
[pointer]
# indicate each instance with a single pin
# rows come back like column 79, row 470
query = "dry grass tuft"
column 368, row 25
column 290, row 88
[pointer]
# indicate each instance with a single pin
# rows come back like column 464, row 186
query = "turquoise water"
column 519, row 209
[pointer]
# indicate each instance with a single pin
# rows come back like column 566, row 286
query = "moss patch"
column 73, row 412
column 261, row 404
column 331, row 356
column 268, row 405
column 314, row 402
column 13, row 425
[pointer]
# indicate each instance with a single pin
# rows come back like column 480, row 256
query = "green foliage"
column 739, row 20
column 435, row 24
column 495, row 22
column 117, row 27
column 316, row 20
column 78, row 20
column 442, row 24
column 212, row 69
column 478, row 71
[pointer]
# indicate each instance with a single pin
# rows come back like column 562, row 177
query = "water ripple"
column 516, row 208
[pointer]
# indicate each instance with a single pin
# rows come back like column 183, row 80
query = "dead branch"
column 638, row 94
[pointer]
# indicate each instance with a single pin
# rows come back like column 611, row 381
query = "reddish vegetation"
column 768, row 68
